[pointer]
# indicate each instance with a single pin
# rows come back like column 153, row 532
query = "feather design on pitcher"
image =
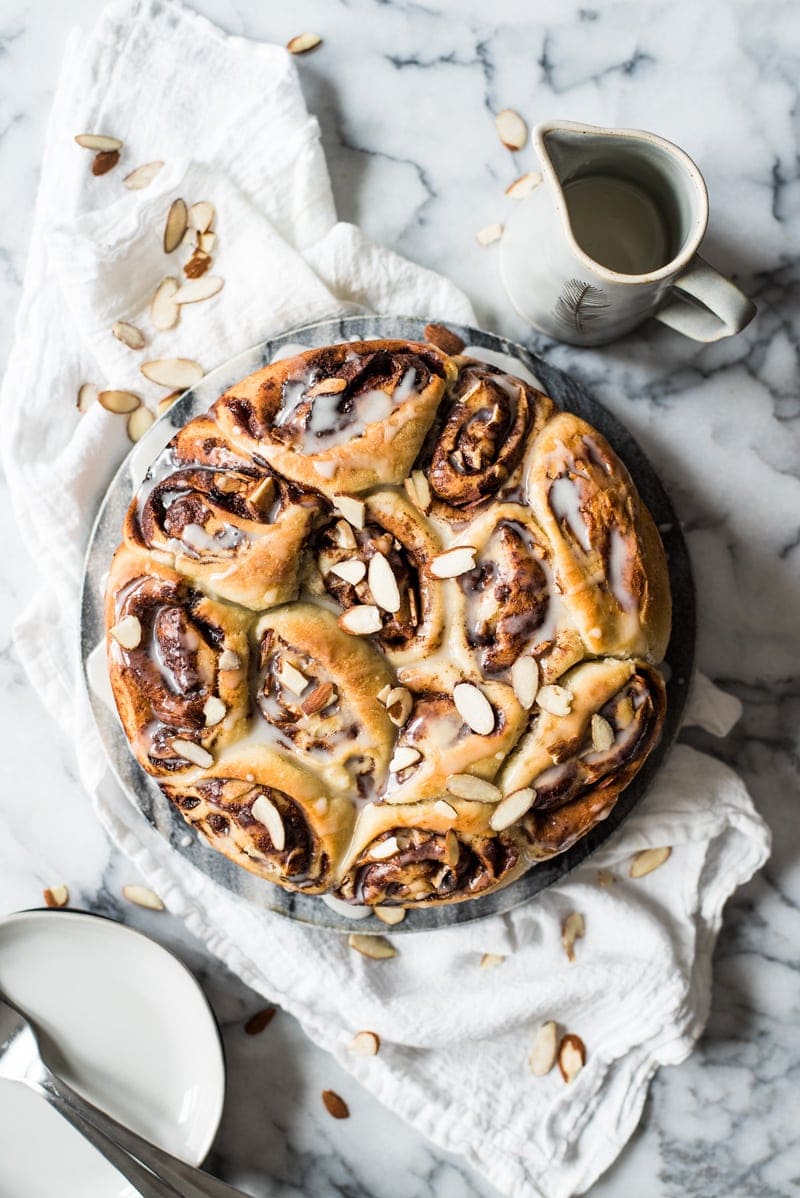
column 580, row 304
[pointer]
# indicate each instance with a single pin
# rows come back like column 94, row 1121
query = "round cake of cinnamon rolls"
column 384, row 624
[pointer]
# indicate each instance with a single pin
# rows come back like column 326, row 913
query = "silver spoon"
column 154, row 1172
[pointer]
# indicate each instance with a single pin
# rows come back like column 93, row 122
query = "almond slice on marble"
column 173, row 372
column 511, row 129
column 453, row 562
column 197, row 265
column 443, row 338
column 164, row 312
column 364, row 1044
column 524, row 185
column 258, row 1022
column 383, row 584
column 399, row 704
column 335, row 1105
column 292, row 678
column 545, row 1049
column 571, row 1057
column 361, row 620
column 443, row 809
column 193, row 752
column 265, row 811
column 649, row 859
column 119, row 402
column 403, row 757
column 228, row 660
column 303, row 42
column 556, row 700
column 377, row 948
column 87, row 395
column 55, row 896
column 99, row 142
column 213, row 711
column 197, row 290
column 128, row 632
column 384, row 849
column 488, row 234
column 128, row 334
column 525, row 680
column 326, row 387
column 491, row 960
column 104, row 162
column 512, row 808
column 143, row 896
column 352, row 509
column 418, row 490
column 319, row 699
column 390, row 915
column 142, row 176
column 474, row 708
column 573, row 928
column 467, row 786
column 138, row 423
column 602, row 733
column 175, row 225
column 201, row 216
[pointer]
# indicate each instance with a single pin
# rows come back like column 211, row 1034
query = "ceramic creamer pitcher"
column 609, row 236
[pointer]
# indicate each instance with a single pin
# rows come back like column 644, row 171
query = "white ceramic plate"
column 136, row 1036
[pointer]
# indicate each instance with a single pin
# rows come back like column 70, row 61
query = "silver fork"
column 154, row 1172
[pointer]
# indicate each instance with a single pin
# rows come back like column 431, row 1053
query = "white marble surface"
column 404, row 93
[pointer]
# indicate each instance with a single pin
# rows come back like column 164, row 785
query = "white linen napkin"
column 455, row 1038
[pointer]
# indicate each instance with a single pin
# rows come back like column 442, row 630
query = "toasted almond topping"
column 292, row 678
column 398, row 705
column 352, row 509
column 128, row 632
column 265, row 811
column 201, row 216
column 442, row 808
column 571, row 1057
column 602, row 734
column 335, row 1105
column 490, row 960
column 474, row 708
column 452, row 848
column 119, row 402
column 197, row 265
column 412, row 608
column 192, row 752
column 377, row 948
column 605, row 877
column 98, row 141
column 142, row 176
column 404, row 756
column 418, row 490
column 128, row 334
column 443, row 338
column 623, row 713
column 511, row 129
column 556, row 700
column 87, row 395
column 383, row 584
column 467, row 786
column 390, row 915
column 488, row 234
column 384, row 849
column 512, row 808
column 143, row 896
column 303, row 42
column 228, row 660
column 458, row 560
column 364, row 1044
column 175, row 227
column 345, row 537
column 545, row 1049
column 262, row 1019
column 56, row 896
column 326, row 387
column 206, row 242
column 197, row 290
column 384, row 693
column 164, row 312
column 173, row 372
column 319, row 699
column 361, row 620
column 524, row 185
column 138, row 423
column 525, row 680
column 573, row 928
column 649, row 859
column 214, row 711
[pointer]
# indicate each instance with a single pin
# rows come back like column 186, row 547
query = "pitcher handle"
column 724, row 311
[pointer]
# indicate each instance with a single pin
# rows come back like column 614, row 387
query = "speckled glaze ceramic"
column 143, row 791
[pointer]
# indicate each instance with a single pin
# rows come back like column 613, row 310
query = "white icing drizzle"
column 504, row 361
column 327, row 426
column 618, row 557
column 565, row 505
column 226, row 540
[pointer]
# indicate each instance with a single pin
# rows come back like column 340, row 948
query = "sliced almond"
column 173, row 372
column 265, row 811
column 399, row 704
column 326, row 387
column 573, row 928
column 545, row 1049
column 319, row 699
column 511, row 129
column 351, row 570
column 390, row 915
column 193, row 752
column 443, row 338
column 384, row 849
column 352, row 509
column 263, row 492
column 197, row 290
column 142, row 176
column 56, row 896
column 384, row 692
column 512, row 808
column 404, row 756
column 490, row 960
column 383, row 584
column 87, row 395
column 453, row 562
column 377, row 948
column 214, row 711
column 206, row 242
column 128, row 334
column 361, row 620
column 602, row 733
column 623, row 713
column 258, row 1022
column 467, row 786
column 605, row 877
column 418, row 490
column 344, row 535
column 525, row 680
column 303, row 42
column 364, row 1044
column 474, row 708
column 197, row 265
column 488, row 234
column 645, row 862
column 119, row 402
column 571, row 1057
column 201, row 216
column 335, row 1105
column 452, row 848
column 228, row 660
column 138, row 423
column 175, row 226
column 443, row 809
column 143, row 896
column 104, row 162
column 128, row 632
column 164, row 312
column 98, row 141
column 292, row 678
column 524, row 185
column 556, row 700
